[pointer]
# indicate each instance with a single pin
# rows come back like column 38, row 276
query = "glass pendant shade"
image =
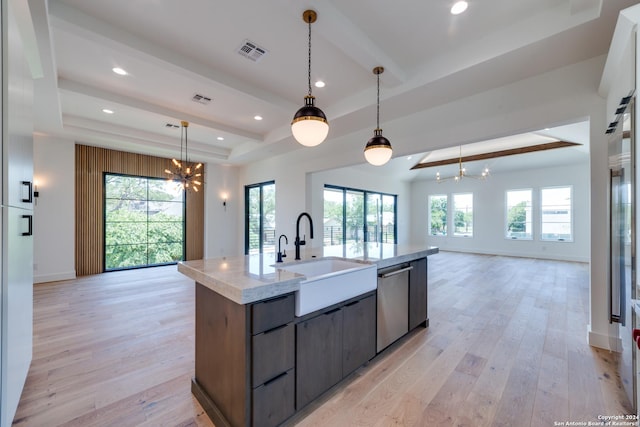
column 309, row 125
column 378, row 150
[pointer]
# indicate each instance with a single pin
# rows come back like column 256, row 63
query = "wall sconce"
column 224, row 200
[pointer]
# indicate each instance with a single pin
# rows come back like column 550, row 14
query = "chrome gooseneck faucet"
column 280, row 253
column 299, row 242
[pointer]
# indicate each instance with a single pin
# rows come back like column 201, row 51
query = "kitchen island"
column 258, row 362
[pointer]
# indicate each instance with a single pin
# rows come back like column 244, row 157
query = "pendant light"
column 309, row 125
column 378, row 150
column 186, row 174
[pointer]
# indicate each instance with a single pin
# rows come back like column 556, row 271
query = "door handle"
column 29, row 198
column 29, row 219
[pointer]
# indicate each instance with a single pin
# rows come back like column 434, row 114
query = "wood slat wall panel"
column 91, row 163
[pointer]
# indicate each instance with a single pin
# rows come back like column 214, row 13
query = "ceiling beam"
column 495, row 154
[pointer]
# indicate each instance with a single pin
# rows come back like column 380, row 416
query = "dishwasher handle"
column 394, row 272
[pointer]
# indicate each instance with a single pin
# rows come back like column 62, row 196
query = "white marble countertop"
column 250, row 278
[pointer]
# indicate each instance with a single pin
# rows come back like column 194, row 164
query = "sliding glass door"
column 354, row 216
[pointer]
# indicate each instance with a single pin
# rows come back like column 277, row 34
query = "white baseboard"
column 605, row 342
column 54, row 277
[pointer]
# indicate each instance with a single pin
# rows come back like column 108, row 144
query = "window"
column 260, row 218
column 463, row 214
column 358, row 216
column 518, row 214
column 438, row 215
column 557, row 215
column 143, row 222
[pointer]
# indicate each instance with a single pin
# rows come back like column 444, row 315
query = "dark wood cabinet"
column 318, row 355
column 245, row 359
column 332, row 344
column 358, row 334
column 418, row 294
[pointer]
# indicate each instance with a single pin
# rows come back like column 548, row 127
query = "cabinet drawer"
column 271, row 313
column 273, row 352
column 273, row 402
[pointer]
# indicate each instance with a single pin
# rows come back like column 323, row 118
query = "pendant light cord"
column 378, row 106
column 186, row 146
column 181, row 142
column 309, row 63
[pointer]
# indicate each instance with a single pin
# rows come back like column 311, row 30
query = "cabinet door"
column 418, row 293
column 318, row 356
column 359, row 334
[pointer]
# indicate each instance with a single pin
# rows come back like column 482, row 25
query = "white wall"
column 54, row 222
column 489, row 213
column 221, row 222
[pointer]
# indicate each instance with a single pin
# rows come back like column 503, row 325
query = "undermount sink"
column 330, row 281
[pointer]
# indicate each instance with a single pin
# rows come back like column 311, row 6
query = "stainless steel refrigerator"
column 622, row 272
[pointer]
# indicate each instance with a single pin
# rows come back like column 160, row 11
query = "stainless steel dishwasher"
column 393, row 304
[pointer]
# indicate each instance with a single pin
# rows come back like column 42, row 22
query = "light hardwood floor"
column 506, row 347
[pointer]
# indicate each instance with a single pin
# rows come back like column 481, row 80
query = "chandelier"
column 185, row 173
column 462, row 172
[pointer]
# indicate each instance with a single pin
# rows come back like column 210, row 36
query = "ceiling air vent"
column 252, row 51
column 171, row 126
column 201, row 99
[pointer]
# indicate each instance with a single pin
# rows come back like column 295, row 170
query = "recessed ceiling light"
column 220, row 138
column 119, row 71
column 320, row 83
column 257, row 117
column 408, row 157
column 107, row 111
column 459, row 7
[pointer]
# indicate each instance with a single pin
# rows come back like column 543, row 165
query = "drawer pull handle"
column 276, row 378
column 275, row 329
column 332, row 311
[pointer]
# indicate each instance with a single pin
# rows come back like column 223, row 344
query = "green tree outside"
column 517, row 218
column 144, row 222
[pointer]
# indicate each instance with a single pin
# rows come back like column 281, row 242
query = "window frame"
column 506, row 214
column 247, row 214
column 446, row 214
column 453, row 215
column 571, row 215
column 147, row 243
